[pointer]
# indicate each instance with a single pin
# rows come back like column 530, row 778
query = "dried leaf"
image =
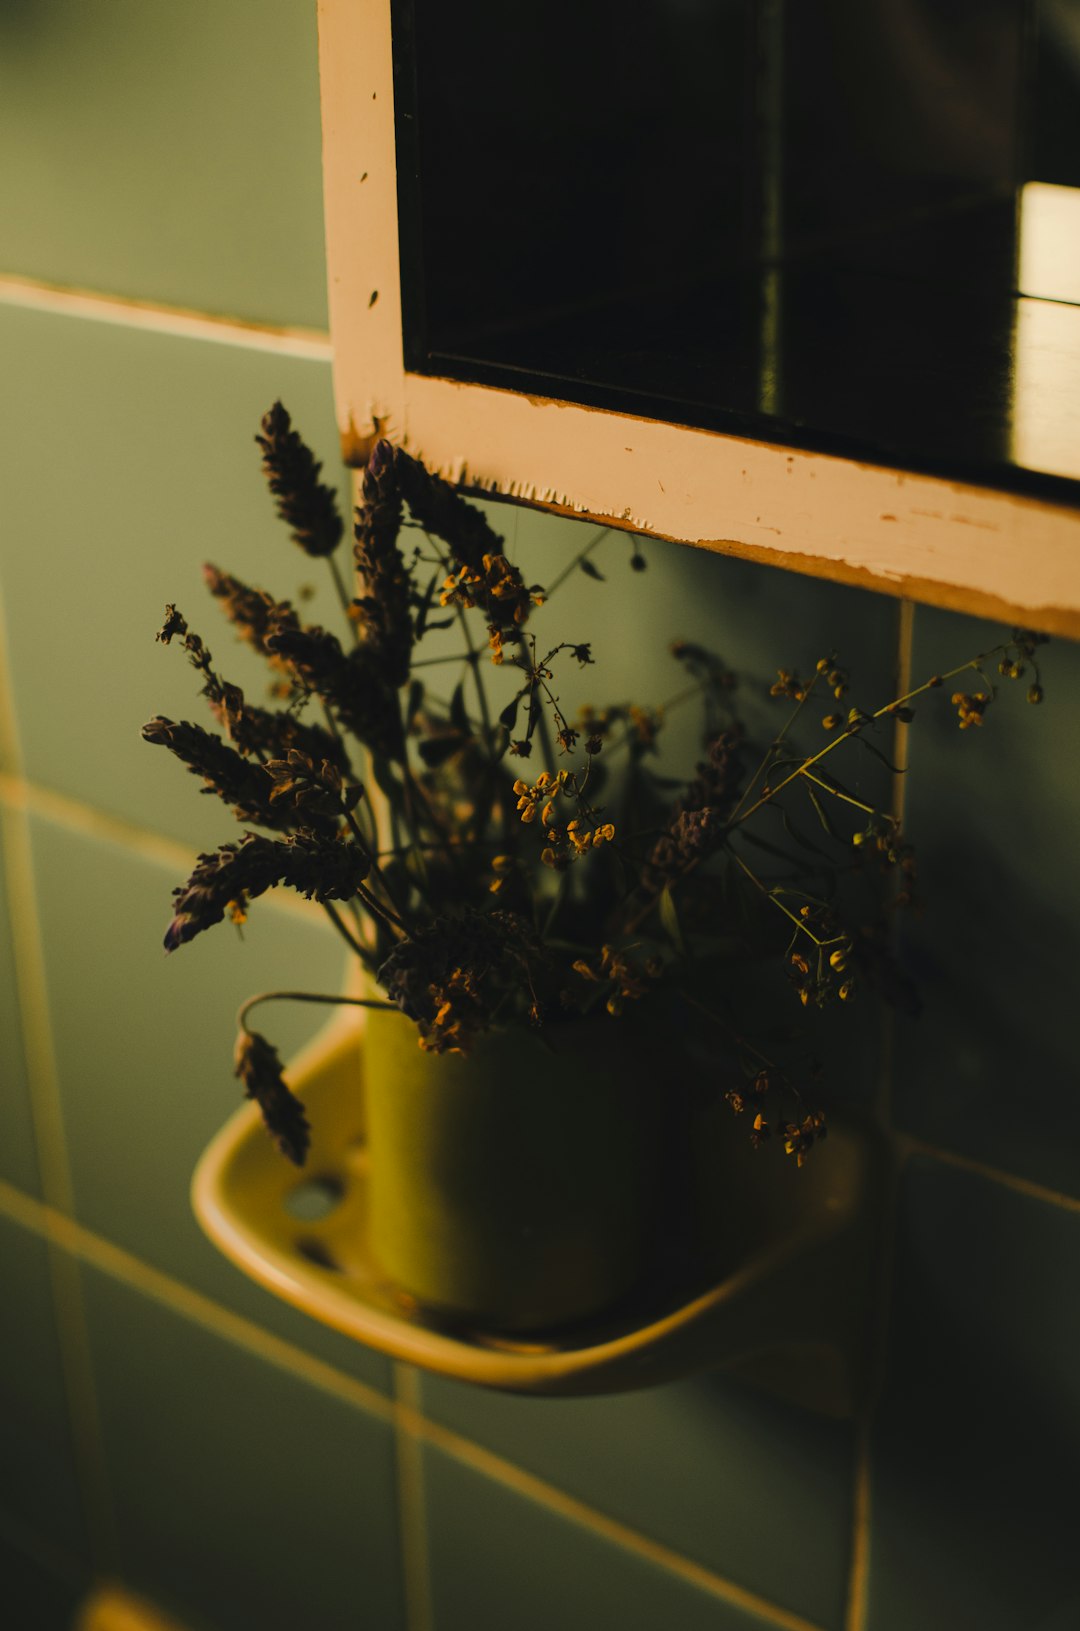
column 458, row 717
column 669, row 918
column 435, row 750
column 822, row 814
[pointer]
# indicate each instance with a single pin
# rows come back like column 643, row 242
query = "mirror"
column 850, row 225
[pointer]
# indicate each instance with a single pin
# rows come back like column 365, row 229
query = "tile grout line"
column 858, row 1586
column 82, row 1244
column 905, row 640
column 587, row 1517
column 36, row 294
column 157, row 1286
column 10, row 745
column 19, row 794
column 32, row 986
column 92, row 1462
column 878, row 1330
column 412, row 1512
column 47, row 1118
column 22, row 794
column 55, row 1175
column 909, row 1146
column 56, row 1559
column 859, row 1568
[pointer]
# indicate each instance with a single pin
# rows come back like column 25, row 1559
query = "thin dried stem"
column 305, row 996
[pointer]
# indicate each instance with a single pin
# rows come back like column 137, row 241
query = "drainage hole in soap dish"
column 316, row 1252
column 314, row 1199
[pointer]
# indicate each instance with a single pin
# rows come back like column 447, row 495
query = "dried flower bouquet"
column 495, row 863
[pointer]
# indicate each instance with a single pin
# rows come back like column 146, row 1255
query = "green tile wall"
column 977, row 1505
column 141, row 1099
column 39, row 1595
column 38, row 1487
column 499, row 1559
column 693, row 1465
column 243, row 1496
column 990, row 1068
column 248, row 1473
column 168, row 153
column 106, row 523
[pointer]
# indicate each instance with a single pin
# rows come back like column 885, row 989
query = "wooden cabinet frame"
column 999, row 554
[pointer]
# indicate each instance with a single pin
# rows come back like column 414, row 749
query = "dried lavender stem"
column 838, row 793
column 361, row 951
column 343, row 595
column 473, row 655
column 664, row 708
column 771, row 895
column 303, row 996
column 377, row 909
column 372, row 856
column 888, row 707
column 581, row 555
column 740, row 1040
column 481, row 694
column 773, row 745
column 435, row 662
column 358, row 919
column 547, row 748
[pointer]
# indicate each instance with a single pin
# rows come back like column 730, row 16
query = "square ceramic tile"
column 990, row 1067
column 144, row 1054
column 500, row 1559
column 757, row 1491
column 130, row 461
column 243, row 1496
column 38, row 1597
column 168, row 153
column 18, row 1152
column 974, row 1502
column 38, row 1487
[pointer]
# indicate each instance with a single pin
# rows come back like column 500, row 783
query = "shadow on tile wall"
column 229, row 1459
column 990, row 1068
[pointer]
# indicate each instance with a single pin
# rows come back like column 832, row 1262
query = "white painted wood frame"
column 1002, row 555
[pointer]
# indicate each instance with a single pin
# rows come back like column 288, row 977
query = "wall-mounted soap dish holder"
column 781, row 1299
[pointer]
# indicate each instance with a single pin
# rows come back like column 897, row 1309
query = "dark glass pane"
column 1054, row 148
column 797, row 218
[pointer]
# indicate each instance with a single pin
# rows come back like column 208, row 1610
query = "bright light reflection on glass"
column 1050, row 241
column 1046, row 376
